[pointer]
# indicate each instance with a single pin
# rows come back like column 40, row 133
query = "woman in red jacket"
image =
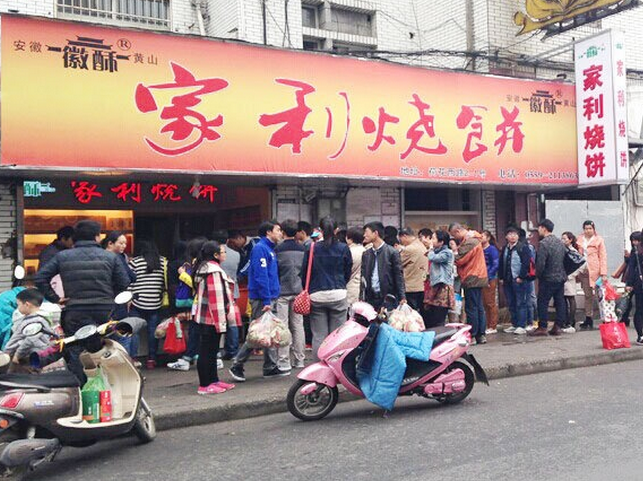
column 214, row 303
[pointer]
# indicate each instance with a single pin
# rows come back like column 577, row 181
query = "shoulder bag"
column 301, row 304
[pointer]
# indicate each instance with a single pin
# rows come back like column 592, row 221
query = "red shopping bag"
column 610, row 292
column 174, row 339
column 614, row 335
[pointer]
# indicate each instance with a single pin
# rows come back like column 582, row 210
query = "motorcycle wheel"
column 144, row 426
column 469, row 380
column 313, row 406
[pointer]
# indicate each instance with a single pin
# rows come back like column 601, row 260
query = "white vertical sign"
column 601, row 110
column 620, row 108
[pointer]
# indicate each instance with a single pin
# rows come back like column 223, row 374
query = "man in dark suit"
column 381, row 269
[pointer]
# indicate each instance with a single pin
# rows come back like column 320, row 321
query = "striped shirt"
column 149, row 286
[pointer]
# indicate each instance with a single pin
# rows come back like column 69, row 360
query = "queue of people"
column 455, row 274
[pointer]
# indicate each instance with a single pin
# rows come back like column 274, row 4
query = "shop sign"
column 89, row 193
column 133, row 192
column 36, row 189
column 106, row 98
column 602, row 110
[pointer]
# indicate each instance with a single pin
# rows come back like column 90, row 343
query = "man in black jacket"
column 550, row 269
column 381, row 269
column 64, row 240
column 91, row 277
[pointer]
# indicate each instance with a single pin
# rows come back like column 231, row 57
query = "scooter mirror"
column 123, row 298
column 85, row 332
column 19, row 272
column 32, row 329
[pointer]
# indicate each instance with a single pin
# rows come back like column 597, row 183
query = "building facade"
column 468, row 35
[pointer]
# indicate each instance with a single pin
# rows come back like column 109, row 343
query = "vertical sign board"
column 601, row 110
column 620, row 108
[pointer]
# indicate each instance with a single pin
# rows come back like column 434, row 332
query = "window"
column 309, row 16
column 145, row 13
column 351, row 22
column 340, row 47
column 311, row 45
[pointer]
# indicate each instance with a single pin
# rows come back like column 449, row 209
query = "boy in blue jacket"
column 263, row 291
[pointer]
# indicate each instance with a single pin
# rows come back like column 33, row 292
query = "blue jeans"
column 518, row 300
column 194, row 341
column 474, row 308
column 547, row 290
column 532, row 312
column 231, row 343
column 152, row 319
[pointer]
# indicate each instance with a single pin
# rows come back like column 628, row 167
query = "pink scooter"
column 443, row 377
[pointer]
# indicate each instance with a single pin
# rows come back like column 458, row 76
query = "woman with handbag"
column 148, row 292
column 329, row 273
column 214, row 307
column 571, row 285
column 180, row 280
column 634, row 283
column 439, row 295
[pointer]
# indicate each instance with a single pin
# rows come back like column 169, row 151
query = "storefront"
column 160, row 211
column 169, row 136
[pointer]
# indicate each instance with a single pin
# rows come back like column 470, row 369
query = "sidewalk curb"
column 277, row 404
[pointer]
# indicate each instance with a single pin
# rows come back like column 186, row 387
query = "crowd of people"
column 453, row 274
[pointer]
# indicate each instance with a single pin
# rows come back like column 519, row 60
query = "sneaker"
column 585, row 326
column 481, row 340
column 520, row 331
column 225, row 385
column 510, row 330
column 473, row 341
column 299, row 365
column 541, row 331
column 639, row 340
column 150, row 364
column 309, row 347
column 211, row 389
column 569, row 330
column 531, row 328
column 491, row 331
column 180, row 365
column 276, row 372
column 219, row 364
column 237, row 373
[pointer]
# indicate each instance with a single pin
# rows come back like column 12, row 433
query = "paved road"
column 582, row 424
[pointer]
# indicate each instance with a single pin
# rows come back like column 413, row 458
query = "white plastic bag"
column 406, row 319
column 268, row 331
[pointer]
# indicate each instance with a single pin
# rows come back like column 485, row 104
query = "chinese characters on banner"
column 85, row 192
column 216, row 107
column 601, row 110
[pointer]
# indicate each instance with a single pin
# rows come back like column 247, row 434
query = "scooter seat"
column 56, row 379
column 442, row 333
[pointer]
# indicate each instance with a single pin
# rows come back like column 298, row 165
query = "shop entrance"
column 160, row 229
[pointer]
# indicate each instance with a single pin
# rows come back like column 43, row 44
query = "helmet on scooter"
column 363, row 309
